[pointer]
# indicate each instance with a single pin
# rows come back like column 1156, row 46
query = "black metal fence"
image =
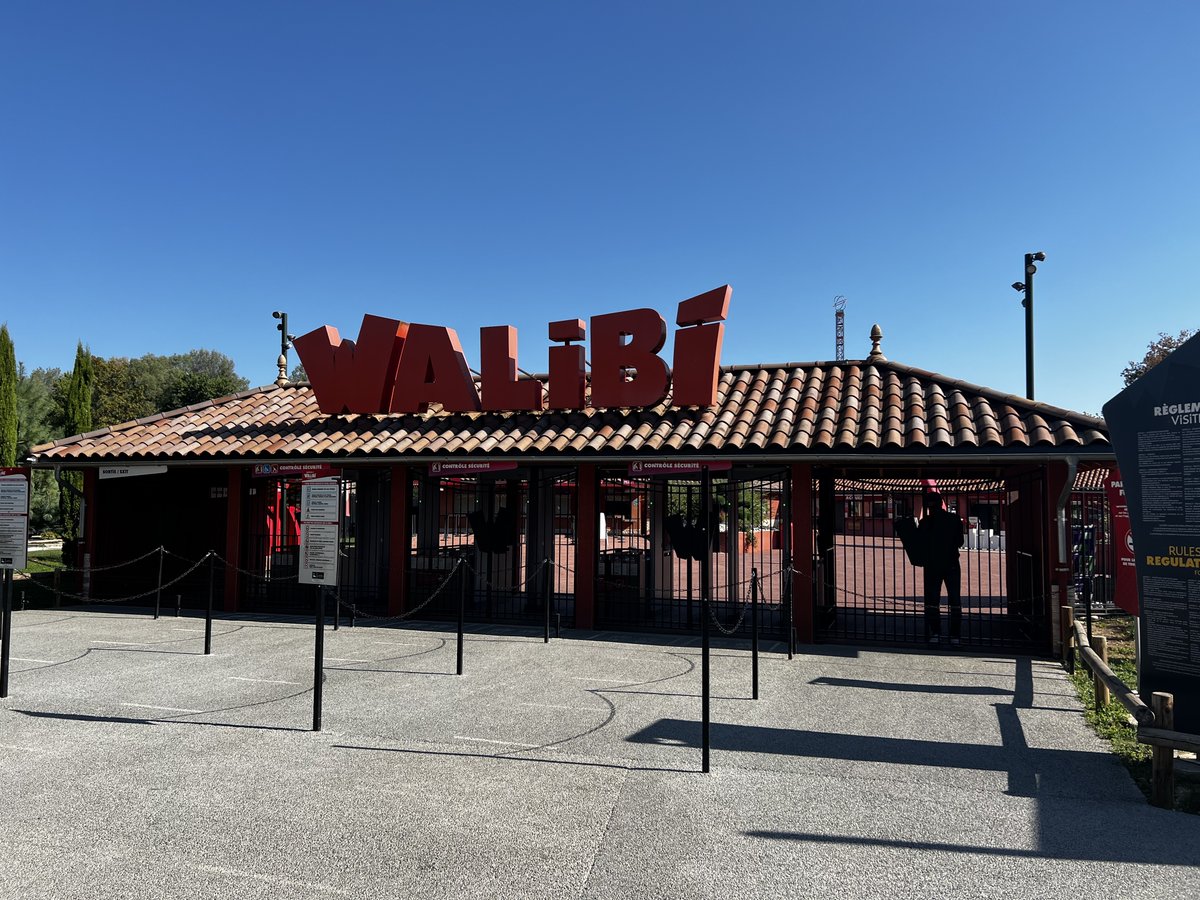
column 867, row 589
column 650, row 545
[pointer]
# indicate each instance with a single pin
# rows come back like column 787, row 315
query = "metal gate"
column 504, row 539
column 866, row 590
column 648, row 571
column 271, row 544
column 1093, row 556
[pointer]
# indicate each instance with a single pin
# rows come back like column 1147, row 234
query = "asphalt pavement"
column 133, row 766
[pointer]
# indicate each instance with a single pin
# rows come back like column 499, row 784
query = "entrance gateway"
column 597, row 506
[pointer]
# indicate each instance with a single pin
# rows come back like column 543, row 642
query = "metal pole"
column 754, row 631
column 787, row 604
column 6, row 589
column 319, row 659
column 208, row 613
column 546, row 634
column 178, row 604
column 462, row 604
column 337, row 612
column 57, row 588
column 706, row 561
column 158, row 589
column 1030, row 268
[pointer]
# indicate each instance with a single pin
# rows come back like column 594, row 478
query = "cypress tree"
column 8, row 400
column 77, row 420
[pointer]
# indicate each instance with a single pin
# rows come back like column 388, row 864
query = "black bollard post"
column 353, row 613
column 22, row 601
column 787, row 603
column 558, row 625
column 57, row 588
column 754, row 631
column 337, row 612
column 462, row 604
column 208, row 614
column 706, row 562
column 546, row 634
column 158, row 589
column 6, row 591
column 319, row 659
column 178, row 604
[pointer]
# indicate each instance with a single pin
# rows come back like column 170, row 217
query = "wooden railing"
column 1155, row 723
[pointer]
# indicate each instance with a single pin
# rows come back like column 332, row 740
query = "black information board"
column 1155, row 429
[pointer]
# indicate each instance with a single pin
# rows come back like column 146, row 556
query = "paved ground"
column 133, row 766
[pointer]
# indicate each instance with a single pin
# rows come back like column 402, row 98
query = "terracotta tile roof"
column 801, row 409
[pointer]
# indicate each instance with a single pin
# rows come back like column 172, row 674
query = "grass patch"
column 43, row 561
column 1112, row 722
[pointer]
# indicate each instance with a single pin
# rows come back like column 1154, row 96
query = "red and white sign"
column 306, row 471
column 14, row 517
column 470, row 468
column 1125, row 584
column 643, row 467
column 395, row 367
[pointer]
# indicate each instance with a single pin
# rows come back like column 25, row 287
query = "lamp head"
column 1018, row 286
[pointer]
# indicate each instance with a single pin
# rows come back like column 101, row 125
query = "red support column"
column 586, row 519
column 400, row 541
column 801, row 540
column 233, row 538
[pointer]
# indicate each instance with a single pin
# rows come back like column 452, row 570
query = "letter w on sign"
column 350, row 377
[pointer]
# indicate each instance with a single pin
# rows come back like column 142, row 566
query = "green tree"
column 8, row 400
column 1158, row 350
column 77, row 419
column 38, row 423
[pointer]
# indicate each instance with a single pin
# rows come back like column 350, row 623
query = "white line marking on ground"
column 572, row 708
column 274, row 879
column 459, row 737
column 26, row 749
column 167, row 708
column 262, row 680
column 27, row 659
column 612, row 680
column 188, row 629
column 409, row 643
column 122, row 643
column 345, row 659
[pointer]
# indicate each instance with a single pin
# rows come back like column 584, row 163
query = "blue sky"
column 171, row 173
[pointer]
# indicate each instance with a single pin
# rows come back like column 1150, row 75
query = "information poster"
column 320, row 507
column 1155, row 429
column 1125, row 586
column 14, row 518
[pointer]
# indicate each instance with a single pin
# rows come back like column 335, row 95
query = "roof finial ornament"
column 876, row 338
column 285, row 341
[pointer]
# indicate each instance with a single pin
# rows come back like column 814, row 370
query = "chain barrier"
column 533, row 573
column 53, row 568
column 741, row 616
column 260, row 576
column 154, row 590
column 412, row 612
column 826, row 585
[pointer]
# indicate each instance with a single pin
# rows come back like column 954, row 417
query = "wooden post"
column 1100, row 645
column 1067, row 621
column 1162, row 766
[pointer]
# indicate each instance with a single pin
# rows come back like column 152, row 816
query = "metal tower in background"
column 839, row 317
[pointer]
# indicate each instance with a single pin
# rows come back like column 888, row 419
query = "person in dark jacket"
column 941, row 533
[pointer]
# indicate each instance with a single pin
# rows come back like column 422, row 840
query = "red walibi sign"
column 395, row 367
column 1125, row 593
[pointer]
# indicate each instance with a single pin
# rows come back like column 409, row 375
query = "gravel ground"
column 131, row 765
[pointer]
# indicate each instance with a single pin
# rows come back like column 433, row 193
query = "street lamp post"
column 1026, row 287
